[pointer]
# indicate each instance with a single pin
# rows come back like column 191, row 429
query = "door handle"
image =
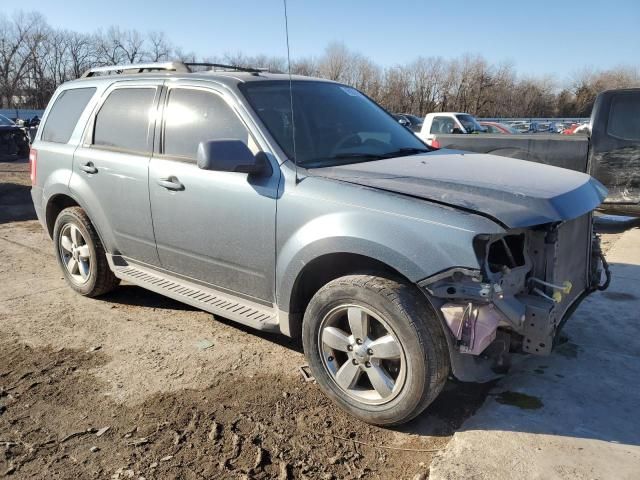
column 88, row 167
column 170, row 183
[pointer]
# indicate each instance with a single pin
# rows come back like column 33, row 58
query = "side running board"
column 225, row 305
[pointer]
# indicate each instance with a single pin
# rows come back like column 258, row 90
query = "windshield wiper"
column 335, row 160
column 355, row 157
column 405, row 152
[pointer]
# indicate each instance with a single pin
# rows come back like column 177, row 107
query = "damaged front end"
column 529, row 282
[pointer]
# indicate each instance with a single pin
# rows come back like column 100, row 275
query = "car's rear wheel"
column 80, row 254
column 375, row 347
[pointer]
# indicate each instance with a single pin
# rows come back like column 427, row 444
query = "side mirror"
column 404, row 122
column 230, row 156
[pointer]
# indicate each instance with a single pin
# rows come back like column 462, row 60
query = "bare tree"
column 130, row 43
column 335, row 62
column 160, row 48
column 305, row 66
column 82, row 55
column 588, row 82
column 35, row 58
column 14, row 55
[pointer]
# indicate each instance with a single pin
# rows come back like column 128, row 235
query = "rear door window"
column 124, row 120
column 64, row 114
column 193, row 116
column 624, row 117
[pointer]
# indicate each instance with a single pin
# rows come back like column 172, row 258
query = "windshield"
column 470, row 124
column 5, row 122
column 334, row 124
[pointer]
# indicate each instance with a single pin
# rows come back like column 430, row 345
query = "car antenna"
column 293, row 122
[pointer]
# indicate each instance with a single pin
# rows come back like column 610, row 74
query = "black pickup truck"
column 610, row 153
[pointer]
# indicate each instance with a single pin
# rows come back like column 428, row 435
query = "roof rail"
column 222, row 66
column 137, row 68
column 182, row 67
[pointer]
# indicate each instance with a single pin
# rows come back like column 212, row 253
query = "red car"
column 495, row 127
column 571, row 129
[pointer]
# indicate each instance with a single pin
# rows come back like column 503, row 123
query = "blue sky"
column 539, row 37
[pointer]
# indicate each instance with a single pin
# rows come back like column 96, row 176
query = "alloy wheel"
column 362, row 354
column 75, row 253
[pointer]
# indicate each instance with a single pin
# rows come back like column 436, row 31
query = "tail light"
column 435, row 143
column 33, row 161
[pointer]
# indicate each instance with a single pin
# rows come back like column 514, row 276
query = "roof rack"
column 137, row 68
column 221, row 66
column 181, row 67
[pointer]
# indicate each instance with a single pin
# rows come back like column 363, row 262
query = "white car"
column 446, row 123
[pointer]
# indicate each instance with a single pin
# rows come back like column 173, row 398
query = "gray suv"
column 300, row 206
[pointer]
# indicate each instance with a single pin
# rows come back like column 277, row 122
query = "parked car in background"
column 496, row 127
column 520, row 125
column 14, row 140
column 415, row 122
column 583, row 129
column 568, row 130
column 608, row 148
column 448, row 123
column 412, row 122
column 402, row 120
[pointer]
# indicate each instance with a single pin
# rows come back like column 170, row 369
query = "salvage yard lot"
column 136, row 385
column 183, row 395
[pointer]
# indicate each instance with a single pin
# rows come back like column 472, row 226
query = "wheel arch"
column 320, row 271
column 55, row 205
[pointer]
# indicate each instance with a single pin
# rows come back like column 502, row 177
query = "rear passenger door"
column 111, row 166
column 214, row 227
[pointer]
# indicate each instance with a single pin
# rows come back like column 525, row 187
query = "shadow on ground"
column 134, row 295
column 15, row 203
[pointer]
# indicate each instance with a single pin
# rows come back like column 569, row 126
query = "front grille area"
column 572, row 258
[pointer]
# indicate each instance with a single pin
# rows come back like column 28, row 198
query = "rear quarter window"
column 624, row 117
column 64, row 114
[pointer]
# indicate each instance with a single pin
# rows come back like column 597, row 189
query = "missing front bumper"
column 530, row 281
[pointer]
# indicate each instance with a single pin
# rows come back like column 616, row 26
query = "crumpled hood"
column 515, row 193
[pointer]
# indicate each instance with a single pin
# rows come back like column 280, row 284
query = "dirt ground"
column 134, row 385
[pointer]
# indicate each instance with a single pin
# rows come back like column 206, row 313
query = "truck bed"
column 564, row 151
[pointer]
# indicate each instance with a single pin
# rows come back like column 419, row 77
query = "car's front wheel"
column 375, row 347
column 81, row 255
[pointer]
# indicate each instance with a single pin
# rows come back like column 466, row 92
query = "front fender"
column 416, row 248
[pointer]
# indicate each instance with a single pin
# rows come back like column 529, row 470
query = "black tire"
column 414, row 323
column 100, row 279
